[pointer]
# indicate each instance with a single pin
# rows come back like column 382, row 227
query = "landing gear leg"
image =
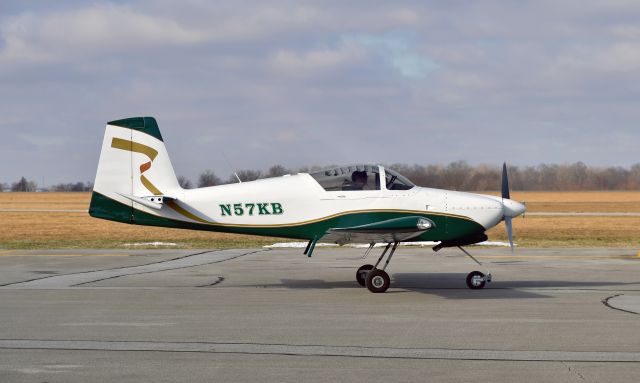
column 475, row 279
column 378, row 280
column 363, row 271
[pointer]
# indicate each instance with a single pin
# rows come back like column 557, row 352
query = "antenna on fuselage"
column 230, row 167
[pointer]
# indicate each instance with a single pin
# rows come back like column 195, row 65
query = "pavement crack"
column 606, row 303
column 574, row 371
column 216, row 282
column 92, row 276
column 109, row 269
column 310, row 350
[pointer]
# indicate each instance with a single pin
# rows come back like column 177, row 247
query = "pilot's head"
column 359, row 179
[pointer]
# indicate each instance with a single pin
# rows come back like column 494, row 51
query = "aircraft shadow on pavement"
column 452, row 286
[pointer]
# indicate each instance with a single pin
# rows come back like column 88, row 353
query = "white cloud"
column 289, row 70
column 106, row 28
column 311, row 62
column 626, row 31
column 585, row 63
column 397, row 51
column 42, row 141
column 44, row 37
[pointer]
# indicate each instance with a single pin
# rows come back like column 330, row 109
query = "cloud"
column 397, row 51
column 318, row 83
column 38, row 37
column 393, row 49
column 291, row 62
column 42, row 141
column 110, row 28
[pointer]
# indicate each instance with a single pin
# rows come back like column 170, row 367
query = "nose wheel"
column 477, row 280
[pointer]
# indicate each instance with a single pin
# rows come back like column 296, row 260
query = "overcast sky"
column 301, row 84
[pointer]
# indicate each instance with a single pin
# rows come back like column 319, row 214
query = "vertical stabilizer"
column 133, row 163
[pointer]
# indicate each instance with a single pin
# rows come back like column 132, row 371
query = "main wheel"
column 475, row 280
column 378, row 281
column 361, row 274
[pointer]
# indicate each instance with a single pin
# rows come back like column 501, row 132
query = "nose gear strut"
column 475, row 279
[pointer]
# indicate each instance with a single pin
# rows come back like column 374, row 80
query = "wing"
column 392, row 230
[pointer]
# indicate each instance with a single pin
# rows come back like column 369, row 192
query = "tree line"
column 462, row 176
column 24, row 185
column 454, row 176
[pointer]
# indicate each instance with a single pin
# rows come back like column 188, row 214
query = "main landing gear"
column 374, row 279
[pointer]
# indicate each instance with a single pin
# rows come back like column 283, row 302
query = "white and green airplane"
column 363, row 203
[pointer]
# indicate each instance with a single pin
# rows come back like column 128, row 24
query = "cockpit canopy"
column 360, row 177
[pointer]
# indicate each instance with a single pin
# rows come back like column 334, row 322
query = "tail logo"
column 131, row 146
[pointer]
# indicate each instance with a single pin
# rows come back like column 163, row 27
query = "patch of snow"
column 282, row 245
column 303, row 245
column 156, row 244
column 495, row 243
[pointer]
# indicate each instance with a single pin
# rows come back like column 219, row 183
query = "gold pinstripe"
column 189, row 215
column 180, row 210
column 120, row 143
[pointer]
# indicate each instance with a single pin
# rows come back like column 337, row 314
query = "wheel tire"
column 361, row 274
column 475, row 280
column 378, row 281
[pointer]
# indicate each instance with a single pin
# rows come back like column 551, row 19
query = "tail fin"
column 133, row 164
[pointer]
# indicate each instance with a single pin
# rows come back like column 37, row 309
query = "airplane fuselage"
column 296, row 206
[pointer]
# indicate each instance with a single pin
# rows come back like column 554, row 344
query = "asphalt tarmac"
column 552, row 315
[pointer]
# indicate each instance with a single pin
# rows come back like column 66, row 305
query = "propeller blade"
column 507, row 224
column 505, row 182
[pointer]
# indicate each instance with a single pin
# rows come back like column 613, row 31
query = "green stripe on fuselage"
column 446, row 227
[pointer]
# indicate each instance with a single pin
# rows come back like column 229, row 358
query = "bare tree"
column 208, row 178
column 462, row 176
column 245, row 175
column 24, row 186
column 277, row 171
column 184, row 182
column 72, row 187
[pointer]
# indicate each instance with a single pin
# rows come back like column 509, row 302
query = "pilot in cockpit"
column 358, row 181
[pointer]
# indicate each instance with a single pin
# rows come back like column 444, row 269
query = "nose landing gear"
column 475, row 279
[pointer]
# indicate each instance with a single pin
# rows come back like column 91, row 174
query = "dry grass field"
column 55, row 230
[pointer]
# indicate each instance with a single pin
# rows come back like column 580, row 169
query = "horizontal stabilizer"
column 153, row 202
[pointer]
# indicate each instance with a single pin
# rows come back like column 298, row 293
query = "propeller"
column 505, row 182
column 511, row 208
